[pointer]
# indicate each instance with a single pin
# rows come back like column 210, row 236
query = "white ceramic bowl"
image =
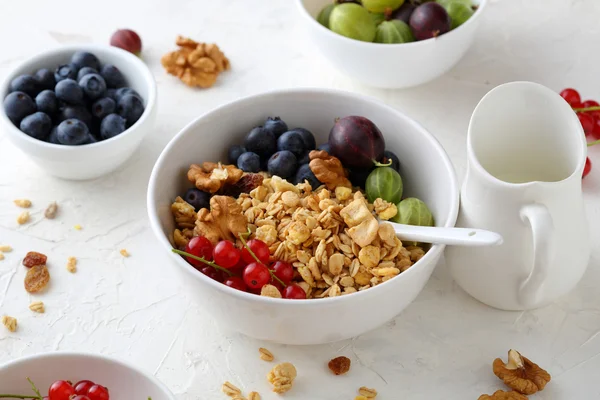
column 426, row 170
column 91, row 160
column 389, row 66
column 122, row 380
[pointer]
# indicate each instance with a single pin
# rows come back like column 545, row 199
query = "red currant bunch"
column 82, row 390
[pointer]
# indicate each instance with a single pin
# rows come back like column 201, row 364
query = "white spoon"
column 451, row 236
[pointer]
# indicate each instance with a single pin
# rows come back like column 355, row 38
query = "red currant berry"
column 591, row 103
column 213, row 273
column 294, row 292
column 587, row 168
column 200, row 247
column 82, row 387
column 80, row 397
column 225, row 254
column 61, row 390
column 596, row 131
column 98, row 392
column 259, row 248
column 277, row 284
column 283, row 271
column 256, row 275
column 571, row 96
column 587, row 122
column 237, row 283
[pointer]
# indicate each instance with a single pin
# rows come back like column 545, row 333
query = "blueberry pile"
column 79, row 103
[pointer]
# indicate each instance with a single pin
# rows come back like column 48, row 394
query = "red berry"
column 587, row 168
column 259, row 248
column 277, row 284
column 80, row 397
column 256, row 275
column 225, row 254
column 571, row 96
column 237, row 283
column 591, row 103
column 98, row 392
column 283, row 271
column 127, row 40
column 596, row 131
column 200, row 247
column 213, row 273
column 587, row 122
column 61, row 390
column 82, row 387
column 294, row 292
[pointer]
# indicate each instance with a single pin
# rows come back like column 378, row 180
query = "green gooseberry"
column 459, row 13
column 352, row 20
column 412, row 211
column 380, row 6
column 384, row 183
column 445, row 3
column 323, row 17
column 394, row 31
column 378, row 18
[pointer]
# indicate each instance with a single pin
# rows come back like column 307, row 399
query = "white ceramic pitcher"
column 526, row 151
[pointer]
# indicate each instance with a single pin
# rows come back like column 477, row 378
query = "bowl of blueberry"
column 79, row 112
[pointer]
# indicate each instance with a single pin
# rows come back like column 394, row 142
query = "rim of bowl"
column 306, row 14
column 95, row 356
column 129, row 57
column 157, row 229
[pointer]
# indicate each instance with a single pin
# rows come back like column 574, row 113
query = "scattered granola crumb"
column 10, row 323
column 282, row 377
column 339, row 365
column 124, row 252
column 367, row 392
column 23, row 218
column 230, row 390
column 254, row 396
column 33, row 258
column 1, row 256
column 23, row 203
column 51, row 210
column 360, row 398
column 72, row 265
column 37, row 278
column 37, row 306
column 5, row 248
column 265, row 354
column 78, row 227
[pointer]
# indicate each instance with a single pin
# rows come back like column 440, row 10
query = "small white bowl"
column 389, row 66
column 91, row 160
column 426, row 170
column 122, row 380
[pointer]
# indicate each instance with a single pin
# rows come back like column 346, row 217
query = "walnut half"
column 328, row 169
column 502, row 395
column 224, row 221
column 520, row 374
column 211, row 177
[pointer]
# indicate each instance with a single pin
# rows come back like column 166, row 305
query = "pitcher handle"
column 542, row 230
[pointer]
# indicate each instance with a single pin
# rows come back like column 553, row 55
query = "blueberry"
column 112, row 93
column 17, row 106
column 75, row 112
column 234, row 153
column 84, row 59
column 131, row 108
column 26, row 84
column 249, row 162
column 125, row 91
column 37, row 125
column 69, row 91
column 72, row 132
column 307, row 137
column 46, row 102
column 66, row 71
column 197, row 198
column 291, row 141
column 390, row 156
column 45, row 79
column 304, row 159
column 93, row 85
column 90, row 139
column 305, row 173
column 85, row 71
column 53, row 137
column 102, row 107
column 261, row 142
column 283, row 164
column 112, row 125
column 358, row 176
column 276, row 126
column 326, row 147
column 113, row 77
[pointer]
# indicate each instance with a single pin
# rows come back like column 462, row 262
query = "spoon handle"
column 450, row 236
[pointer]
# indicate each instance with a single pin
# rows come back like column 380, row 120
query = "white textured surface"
column 442, row 346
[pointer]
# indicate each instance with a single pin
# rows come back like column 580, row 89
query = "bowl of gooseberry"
column 426, row 171
column 392, row 44
column 77, row 376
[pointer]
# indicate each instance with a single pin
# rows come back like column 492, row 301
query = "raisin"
column 339, row 365
column 34, row 258
column 246, row 184
column 37, row 278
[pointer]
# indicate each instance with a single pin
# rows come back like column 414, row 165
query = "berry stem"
column 593, row 108
column 35, row 389
column 590, row 144
column 378, row 164
column 256, row 258
column 209, row 263
column 17, row 396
